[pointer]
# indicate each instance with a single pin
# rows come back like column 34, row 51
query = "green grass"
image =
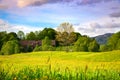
column 50, row 65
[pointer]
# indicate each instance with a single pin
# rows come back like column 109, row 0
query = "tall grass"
column 37, row 73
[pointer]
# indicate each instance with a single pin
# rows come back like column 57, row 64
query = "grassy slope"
column 108, row 60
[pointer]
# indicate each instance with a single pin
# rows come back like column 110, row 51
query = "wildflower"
column 15, row 78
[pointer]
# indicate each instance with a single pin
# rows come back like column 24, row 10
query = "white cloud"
column 98, row 27
column 5, row 26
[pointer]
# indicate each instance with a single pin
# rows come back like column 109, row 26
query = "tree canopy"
column 64, row 37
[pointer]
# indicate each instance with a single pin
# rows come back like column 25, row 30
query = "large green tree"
column 85, row 43
column 4, row 37
column 93, row 46
column 82, row 44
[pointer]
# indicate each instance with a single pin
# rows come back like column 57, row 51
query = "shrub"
column 37, row 48
column 46, row 45
column 51, row 48
column 48, row 48
column 65, row 48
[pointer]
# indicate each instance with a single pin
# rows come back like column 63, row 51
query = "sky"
column 89, row 17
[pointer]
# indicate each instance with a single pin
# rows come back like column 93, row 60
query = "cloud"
column 5, row 26
column 117, row 14
column 24, row 3
column 85, row 2
column 3, row 6
column 98, row 27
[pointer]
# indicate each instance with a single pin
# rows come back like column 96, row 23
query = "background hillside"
column 102, row 39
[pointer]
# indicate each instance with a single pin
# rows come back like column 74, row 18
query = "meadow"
column 59, row 65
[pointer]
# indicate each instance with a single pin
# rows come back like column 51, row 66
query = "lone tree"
column 65, row 35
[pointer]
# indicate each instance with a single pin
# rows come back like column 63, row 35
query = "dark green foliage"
column 29, row 48
column 12, row 36
column 31, row 36
column 84, row 43
column 47, row 32
column 3, row 38
column 51, row 33
column 10, row 47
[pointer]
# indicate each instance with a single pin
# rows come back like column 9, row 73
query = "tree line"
column 65, row 37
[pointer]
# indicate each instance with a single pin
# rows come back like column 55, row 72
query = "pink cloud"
column 7, row 4
column 24, row 3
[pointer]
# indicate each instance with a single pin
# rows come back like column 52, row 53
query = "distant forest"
column 62, row 39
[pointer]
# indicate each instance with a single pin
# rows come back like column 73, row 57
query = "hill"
column 102, row 39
